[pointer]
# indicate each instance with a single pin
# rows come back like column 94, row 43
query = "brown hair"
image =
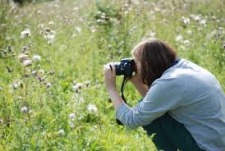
column 155, row 57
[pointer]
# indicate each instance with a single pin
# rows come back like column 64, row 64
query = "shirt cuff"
column 123, row 108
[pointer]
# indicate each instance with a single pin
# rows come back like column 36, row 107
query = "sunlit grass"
column 51, row 58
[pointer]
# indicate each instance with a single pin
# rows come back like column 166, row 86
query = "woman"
column 183, row 104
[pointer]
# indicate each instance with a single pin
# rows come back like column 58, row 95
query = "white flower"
column 24, row 109
column 77, row 87
column 92, row 108
column 16, row 84
column 203, row 22
column 34, row 72
column 41, row 26
column 27, row 62
column 1, row 88
column 49, row 35
column 48, row 84
column 179, row 38
column 51, row 23
column 36, row 58
column 196, row 17
column 1, row 121
column 25, row 33
column 39, row 11
column 78, row 29
column 22, row 57
column 71, row 124
column 186, row 42
column 61, row 132
column 185, row 20
column 189, row 32
column 72, row 116
column 30, row 111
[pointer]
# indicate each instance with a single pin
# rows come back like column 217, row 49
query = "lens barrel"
column 125, row 67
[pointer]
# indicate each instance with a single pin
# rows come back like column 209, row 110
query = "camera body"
column 125, row 67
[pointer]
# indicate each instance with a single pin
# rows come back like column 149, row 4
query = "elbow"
column 129, row 123
column 131, row 126
column 128, row 117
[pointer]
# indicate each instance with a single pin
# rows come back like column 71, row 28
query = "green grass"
column 37, row 101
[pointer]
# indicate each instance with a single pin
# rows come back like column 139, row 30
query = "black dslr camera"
column 125, row 67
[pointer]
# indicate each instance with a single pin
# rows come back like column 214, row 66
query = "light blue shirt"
column 192, row 96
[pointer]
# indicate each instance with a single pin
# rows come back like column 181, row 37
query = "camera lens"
column 125, row 67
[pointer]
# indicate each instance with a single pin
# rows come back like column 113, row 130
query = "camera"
column 125, row 67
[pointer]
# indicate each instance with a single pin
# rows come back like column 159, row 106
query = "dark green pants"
column 171, row 135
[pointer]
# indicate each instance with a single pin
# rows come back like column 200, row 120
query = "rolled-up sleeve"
column 158, row 100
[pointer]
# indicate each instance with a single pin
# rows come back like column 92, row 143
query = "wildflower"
column 22, row 57
column 43, row 133
column 1, row 121
column 182, row 47
column 51, row 23
column 213, row 18
column 36, row 58
column 24, row 109
column 61, row 132
column 93, row 29
column 77, row 87
column 71, row 124
column 78, row 29
column 30, row 111
column 220, row 29
column 17, row 84
column 203, row 22
column 25, row 33
column 49, row 35
column 41, row 26
column 27, row 63
column 48, row 84
column 189, row 32
column 186, row 42
column 185, row 20
column 39, row 11
column 72, row 116
column 34, row 72
column 92, row 108
column 179, row 38
column 50, row 38
column 196, row 17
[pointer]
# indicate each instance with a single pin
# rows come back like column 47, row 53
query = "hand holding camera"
column 125, row 67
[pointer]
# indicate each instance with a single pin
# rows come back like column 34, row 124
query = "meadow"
column 52, row 95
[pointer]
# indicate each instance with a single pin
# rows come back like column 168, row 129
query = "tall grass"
column 51, row 86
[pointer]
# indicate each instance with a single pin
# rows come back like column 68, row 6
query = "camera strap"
column 125, row 79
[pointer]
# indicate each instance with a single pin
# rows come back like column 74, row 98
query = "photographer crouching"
column 183, row 104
